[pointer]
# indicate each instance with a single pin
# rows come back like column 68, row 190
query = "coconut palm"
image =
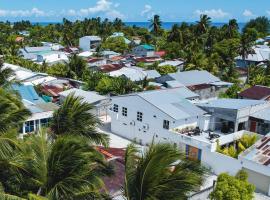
column 76, row 66
column 12, row 111
column 67, row 168
column 175, row 34
column 232, row 28
column 204, row 23
column 159, row 173
column 155, row 24
column 5, row 74
column 74, row 117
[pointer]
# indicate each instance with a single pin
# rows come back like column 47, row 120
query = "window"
column 29, row 126
column 44, row 122
column 166, row 124
column 115, row 108
column 139, row 116
column 124, row 111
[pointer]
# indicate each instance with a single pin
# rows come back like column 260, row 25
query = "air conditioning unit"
column 146, row 126
column 132, row 123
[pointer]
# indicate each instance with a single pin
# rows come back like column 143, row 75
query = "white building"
column 144, row 50
column 89, row 43
column 51, row 57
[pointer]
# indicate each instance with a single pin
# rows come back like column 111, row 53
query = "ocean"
column 165, row 25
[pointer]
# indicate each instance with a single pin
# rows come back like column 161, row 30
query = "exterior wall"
column 242, row 63
column 262, row 182
column 151, row 126
column 86, row 44
column 211, row 92
column 142, row 52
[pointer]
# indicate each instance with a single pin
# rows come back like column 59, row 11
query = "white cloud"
column 213, row 13
column 147, row 11
column 248, row 13
column 24, row 13
column 102, row 7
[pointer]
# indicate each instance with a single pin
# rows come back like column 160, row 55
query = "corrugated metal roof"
column 194, row 77
column 235, row 104
column 89, row 96
column 28, row 93
column 263, row 114
column 152, row 74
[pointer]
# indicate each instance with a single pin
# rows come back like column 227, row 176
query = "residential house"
column 179, row 64
column 256, row 92
column 256, row 162
column 261, row 53
column 89, row 43
column 100, row 103
column 203, row 83
column 232, row 115
column 41, row 112
column 109, row 54
column 144, row 50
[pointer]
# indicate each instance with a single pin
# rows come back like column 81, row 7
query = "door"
column 253, row 125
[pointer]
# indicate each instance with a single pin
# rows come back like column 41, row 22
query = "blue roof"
column 148, row 47
column 28, row 93
column 235, row 104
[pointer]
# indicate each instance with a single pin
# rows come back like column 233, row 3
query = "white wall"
column 85, row 43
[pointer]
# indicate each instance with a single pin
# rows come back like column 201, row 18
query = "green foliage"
column 169, row 179
column 261, row 24
column 166, row 69
column 58, row 70
column 236, row 188
column 116, row 44
column 232, row 92
column 74, row 117
column 243, row 143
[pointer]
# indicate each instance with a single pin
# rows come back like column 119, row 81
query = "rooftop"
column 148, row 47
column 257, row 92
column 259, row 152
column 92, row 37
column 89, row 96
column 235, row 104
column 262, row 114
column 28, row 93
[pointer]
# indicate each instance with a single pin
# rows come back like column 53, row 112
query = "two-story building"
column 89, row 43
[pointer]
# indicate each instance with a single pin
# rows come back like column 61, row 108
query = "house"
column 51, row 57
column 96, row 62
column 100, row 103
column 109, row 54
column 89, row 43
column 261, row 53
column 203, row 83
column 179, row 64
column 256, row 92
column 30, row 53
column 144, row 50
column 232, row 115
column 256, row 162
column 41, row 112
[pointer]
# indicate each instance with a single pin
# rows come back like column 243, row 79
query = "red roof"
column 198, row 87
column 160, row 53
column 110, row 67
column 256, row 92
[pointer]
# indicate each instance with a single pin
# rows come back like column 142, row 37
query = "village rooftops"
column 259, row 152
column 148, row 47
column 257, row 92
column 28, row 93
column 263, row 114
column 93, row 38
column 234, row 104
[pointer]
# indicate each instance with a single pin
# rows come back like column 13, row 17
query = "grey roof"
column 262, row 114
column 173, row 84
column 151, row 74
column 172, row 63
column 89, row 96
column 37, row 49
column 93, row 37
column 194, row 77
column 172, row 103
column 39, row 107
column 235, row 104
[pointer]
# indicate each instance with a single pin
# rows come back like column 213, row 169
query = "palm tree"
column 67, row 168
column 175, row 34
column 232, row 28
column 74, row 117
column 13, row 113
column 5, row 74
column 155, row 24
column 76, row 66
column 158, row 173
column 204, row 23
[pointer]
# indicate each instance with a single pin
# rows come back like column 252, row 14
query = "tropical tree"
column 261, row 24
column 13, row 113
column 76, row 66
column 229, row 187
column 116, row 44
column 74, row 117
column 232, row 29
column 203, row 24
column 155, row 25
column 166, row 69
column 174, row 177
column 5, row 74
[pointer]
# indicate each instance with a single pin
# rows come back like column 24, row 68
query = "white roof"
column 133, row 74
column 41, row 80
column 262, row 53
column 174, row 63
column 92, row 37
column 89, row 96
column 85, row 54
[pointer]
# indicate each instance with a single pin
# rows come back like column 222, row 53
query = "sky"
column 133, row 10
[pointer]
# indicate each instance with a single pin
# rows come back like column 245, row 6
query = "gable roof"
column 28, row 93
column 257, row 92
column 193, row 77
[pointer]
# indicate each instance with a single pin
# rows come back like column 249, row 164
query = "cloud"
column 104, row 8
column 248, row 13
column 213, row 13
column 24, row 13
column 147, row 11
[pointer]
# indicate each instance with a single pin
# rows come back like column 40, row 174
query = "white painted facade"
column 89, row 43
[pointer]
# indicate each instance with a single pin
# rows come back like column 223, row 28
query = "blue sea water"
column 165, row 25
